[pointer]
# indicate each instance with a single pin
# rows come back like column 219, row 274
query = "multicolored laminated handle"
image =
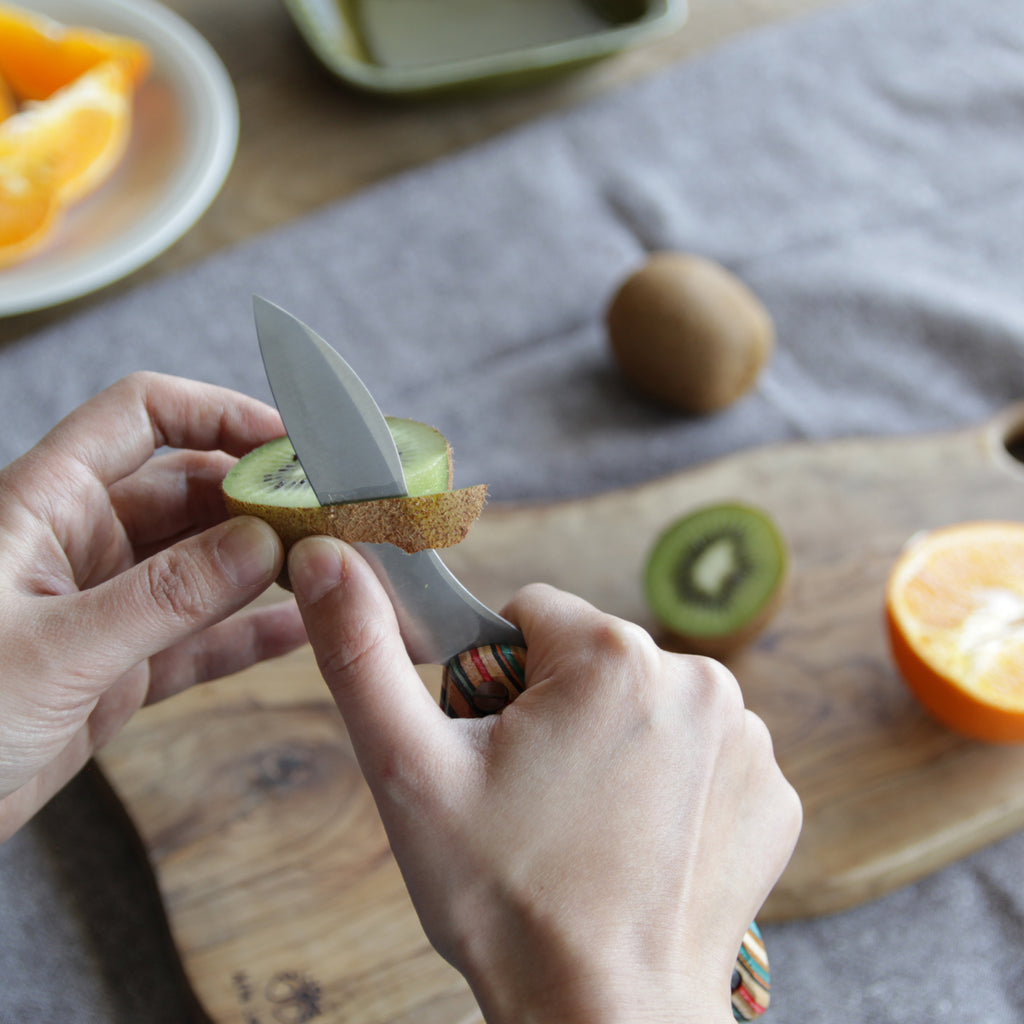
column 481, row 682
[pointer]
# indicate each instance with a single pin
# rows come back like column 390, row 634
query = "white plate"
column 183, row 143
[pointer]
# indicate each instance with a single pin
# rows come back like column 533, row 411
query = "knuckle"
column 620, row 639
column 533, row 598
column 539, row 591
column 176, row 587
column 716, row 687
column 353, row 648
column 137, row 383
column 628, row 652
column 137, row 380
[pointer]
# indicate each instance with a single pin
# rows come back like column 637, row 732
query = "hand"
column 114, row 578
column 596, row 851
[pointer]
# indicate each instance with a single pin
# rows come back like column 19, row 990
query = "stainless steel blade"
column 346, row 450
column 438, row 617
column 340, row 436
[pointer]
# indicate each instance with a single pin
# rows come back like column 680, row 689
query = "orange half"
column 74, row 139
column 38, row 55
column 955, row 613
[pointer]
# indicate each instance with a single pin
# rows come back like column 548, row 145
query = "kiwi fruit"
column 688, row 333
column 715, row 577
column 269, row 483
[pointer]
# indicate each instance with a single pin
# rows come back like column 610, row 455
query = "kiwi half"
column 715, row 577
column 269, row 483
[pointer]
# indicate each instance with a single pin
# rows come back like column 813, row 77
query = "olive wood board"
column 280, row 890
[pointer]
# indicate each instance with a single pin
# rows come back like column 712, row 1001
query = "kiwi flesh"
column 269, row 483
column 715, row 577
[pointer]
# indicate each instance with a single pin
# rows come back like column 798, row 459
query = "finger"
column 171, row 495
column 354, row 633
column 176, row 593
column 563, row 630
column 541, row 610
column 233, row 645
column 116, row 431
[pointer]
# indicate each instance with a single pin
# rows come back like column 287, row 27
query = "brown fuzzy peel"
column 413, row 523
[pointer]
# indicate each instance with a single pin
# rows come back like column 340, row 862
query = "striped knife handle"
column 481, row 682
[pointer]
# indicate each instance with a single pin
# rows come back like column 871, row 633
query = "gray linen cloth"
column 861, row 169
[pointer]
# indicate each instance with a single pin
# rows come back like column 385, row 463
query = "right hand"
column 595, row 852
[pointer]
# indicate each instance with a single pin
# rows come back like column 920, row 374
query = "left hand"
column 117, row 574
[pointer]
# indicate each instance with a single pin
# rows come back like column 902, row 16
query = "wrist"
column 591, row 982
column 598, row 1001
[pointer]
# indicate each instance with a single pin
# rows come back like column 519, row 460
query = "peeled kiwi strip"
column 413, row 523
column 269, row 483
column 715, row 577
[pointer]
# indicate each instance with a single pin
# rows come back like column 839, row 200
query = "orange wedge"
column 28, row 212
column 38, row 55
column 955, row 613
column 7, row 104
column 74, row 139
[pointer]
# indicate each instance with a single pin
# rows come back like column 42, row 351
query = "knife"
column 346, row 450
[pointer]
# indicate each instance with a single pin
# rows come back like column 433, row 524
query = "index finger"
column 115, row 432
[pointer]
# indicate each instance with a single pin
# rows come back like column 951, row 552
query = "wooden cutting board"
column 280, row 890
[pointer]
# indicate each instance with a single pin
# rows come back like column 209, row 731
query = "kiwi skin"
column 680, row 632
column 688, row 333
column 413, row 523
column 727, row 645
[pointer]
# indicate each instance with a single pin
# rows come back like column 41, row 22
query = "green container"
column 424, row 46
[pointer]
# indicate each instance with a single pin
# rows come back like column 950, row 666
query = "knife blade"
column 347, row 452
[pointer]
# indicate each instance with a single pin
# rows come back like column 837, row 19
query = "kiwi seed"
column 715, row 577
column 688, row 333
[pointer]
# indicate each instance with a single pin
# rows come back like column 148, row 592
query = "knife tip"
column 266, row 313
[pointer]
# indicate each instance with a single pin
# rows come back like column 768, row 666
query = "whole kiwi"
column 687, row 332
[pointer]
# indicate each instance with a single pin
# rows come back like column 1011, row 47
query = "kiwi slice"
column 715, row 577
column 269, row 483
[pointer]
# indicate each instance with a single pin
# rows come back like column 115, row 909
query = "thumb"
column 354, row 633
column 174, row 594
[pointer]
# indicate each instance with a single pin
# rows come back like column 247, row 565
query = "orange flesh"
column 38, row 56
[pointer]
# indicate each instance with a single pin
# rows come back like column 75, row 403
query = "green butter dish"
column 422, row 46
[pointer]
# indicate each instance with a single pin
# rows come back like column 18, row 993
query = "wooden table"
column 348, row 139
